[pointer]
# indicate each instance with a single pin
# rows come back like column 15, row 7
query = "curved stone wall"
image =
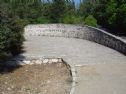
column 77, row 31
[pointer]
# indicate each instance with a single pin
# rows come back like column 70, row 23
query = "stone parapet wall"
column 107, row 39
column 77, row 31
column 56, row 30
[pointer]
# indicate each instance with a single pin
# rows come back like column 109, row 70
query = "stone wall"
column 77, row 31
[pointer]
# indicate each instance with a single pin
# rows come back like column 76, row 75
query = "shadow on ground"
column 9, row 65
column 5, row 69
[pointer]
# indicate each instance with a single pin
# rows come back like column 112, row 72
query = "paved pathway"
column 74, row 51
column 97, row 75
column 101, row 79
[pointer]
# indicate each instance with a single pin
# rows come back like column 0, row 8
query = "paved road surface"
column 74, row 51
column 101, row 79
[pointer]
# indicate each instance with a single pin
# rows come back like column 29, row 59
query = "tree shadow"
column 5, row 69
column 10, row 65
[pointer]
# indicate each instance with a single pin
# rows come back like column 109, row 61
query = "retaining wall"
column 77, row 31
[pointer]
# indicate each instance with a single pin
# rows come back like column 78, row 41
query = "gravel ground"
column 35, row 79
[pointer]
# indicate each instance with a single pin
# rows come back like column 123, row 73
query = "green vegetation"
column 91, row 21
column 72, row 19
column 15, row 14
column 42, row 20
column 11, row 30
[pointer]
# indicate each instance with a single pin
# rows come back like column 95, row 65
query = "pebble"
column 45, row 61
column 8, row 88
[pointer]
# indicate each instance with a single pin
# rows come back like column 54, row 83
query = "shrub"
column 72, row 19
column 91, row 21
column 42, row 20
column 11, row 31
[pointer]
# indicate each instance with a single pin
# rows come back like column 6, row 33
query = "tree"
column 121, row 17
column 57, row 10
column 11, row 30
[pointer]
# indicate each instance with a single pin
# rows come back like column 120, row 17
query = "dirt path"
column 36, row 79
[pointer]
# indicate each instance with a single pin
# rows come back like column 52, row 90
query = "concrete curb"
column 73, row 70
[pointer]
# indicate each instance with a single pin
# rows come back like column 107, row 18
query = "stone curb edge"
column 21, row 62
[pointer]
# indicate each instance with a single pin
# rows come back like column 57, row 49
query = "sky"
column 77, row 1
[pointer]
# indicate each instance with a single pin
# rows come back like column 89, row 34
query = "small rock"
column 26, row 62
column 45, row 61
column 5, row 82
column 48, row 81
column 8, row 88
column 51, row 74
column 60, row 60
column 50, row 61
column 55, row 60
column 12, row 86
column 38, row 62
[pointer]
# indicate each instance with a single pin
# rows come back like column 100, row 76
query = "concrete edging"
column 22, row 62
